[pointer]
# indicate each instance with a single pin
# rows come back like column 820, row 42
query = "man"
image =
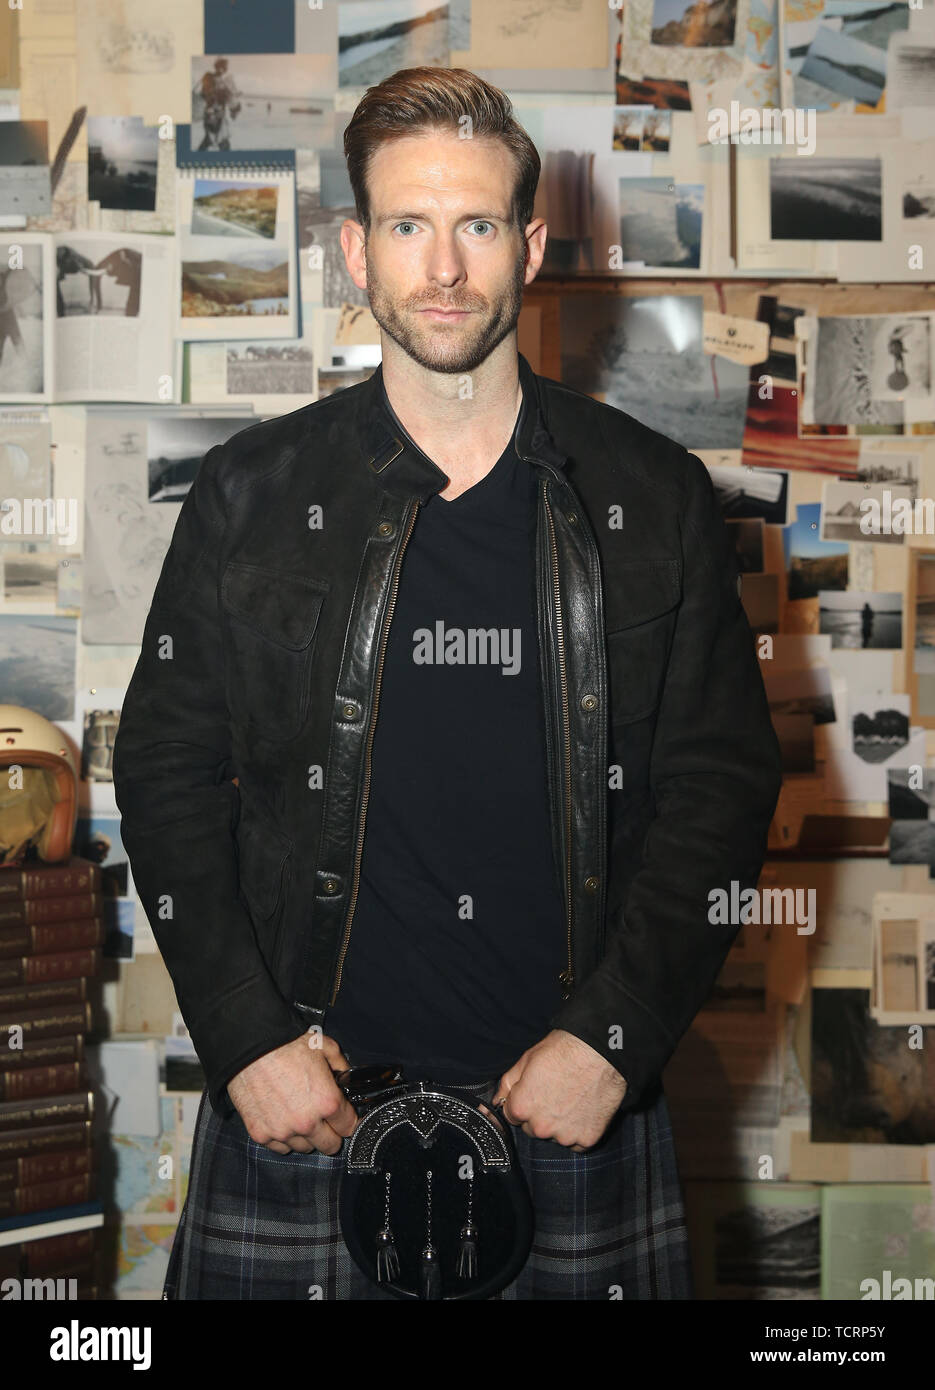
column 219, row 95
column 403, row 643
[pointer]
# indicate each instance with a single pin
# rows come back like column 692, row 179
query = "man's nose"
column 446, row 261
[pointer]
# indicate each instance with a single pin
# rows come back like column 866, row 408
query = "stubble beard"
column 459, row 347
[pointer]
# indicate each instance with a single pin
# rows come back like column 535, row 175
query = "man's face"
column 444, row 262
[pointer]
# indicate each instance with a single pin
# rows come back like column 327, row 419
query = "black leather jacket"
column 241, row 765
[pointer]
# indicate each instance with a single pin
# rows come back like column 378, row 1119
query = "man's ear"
column 536, row 233
column 355, row 258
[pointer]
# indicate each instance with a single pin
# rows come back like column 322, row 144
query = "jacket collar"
column 406, row 471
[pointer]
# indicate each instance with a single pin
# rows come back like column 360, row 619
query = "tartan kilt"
column 610, row 1223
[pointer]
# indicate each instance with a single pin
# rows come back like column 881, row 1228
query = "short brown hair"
column 418, row 99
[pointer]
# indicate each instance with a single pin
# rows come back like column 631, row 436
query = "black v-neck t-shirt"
column 458, row 937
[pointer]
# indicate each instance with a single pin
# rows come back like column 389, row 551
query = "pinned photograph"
column 37, row 663
column 819, row 199
column 860, row 363
column 628, row 127
column 247, row 282
column 25, row 457
column 175, row 447
column 923, row 612
column 89, row 283
column 911, row 793
column 269, row 369
column 845, row 65
column 849, row 510
column 660, row 222
column 771, row 436
column 859, row 620
column 759, row 492
column 912, row 842
column 22, row 356
column 813, row 564
column 262, row 101
column 122, row 158
column 25, row 177
column 867, row 1085
column 30, row 578
column 694, row 23
column 879, row 725
column 97, row 764
column 646, row 356
column 231, row 207
column 662, row 93
column 657, row 133
column 97, row 838
column 378, row 37
column 919, row 197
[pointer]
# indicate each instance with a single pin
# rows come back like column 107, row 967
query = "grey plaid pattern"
column 610, row 1222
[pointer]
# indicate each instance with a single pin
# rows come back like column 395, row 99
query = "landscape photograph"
column 819, row 199
column 226, row 207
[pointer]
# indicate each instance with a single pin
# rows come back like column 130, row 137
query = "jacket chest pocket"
column 640, row 615
column 271, row 619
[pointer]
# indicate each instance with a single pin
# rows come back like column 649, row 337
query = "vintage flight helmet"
column 38, row 788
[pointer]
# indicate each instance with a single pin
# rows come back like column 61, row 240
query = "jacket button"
column 386, row 528
column 590, row 884
column 589, row 702
column 573, row 517
column 350, row 709
column 330, row 885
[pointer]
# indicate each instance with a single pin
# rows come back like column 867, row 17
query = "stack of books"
column 51, row 932
column 57, row 1267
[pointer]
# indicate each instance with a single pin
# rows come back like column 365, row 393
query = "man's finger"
column 325, row 1139
column 345, row 1119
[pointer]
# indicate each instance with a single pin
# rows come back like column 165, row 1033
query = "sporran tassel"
column 430, row 1276
column 466, row 1267
column 387, row 1256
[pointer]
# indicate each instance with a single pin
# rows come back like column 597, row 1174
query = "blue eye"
column 401, row 225
column 481, row 224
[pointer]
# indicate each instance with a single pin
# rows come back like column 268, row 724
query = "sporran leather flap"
column 434, row 1203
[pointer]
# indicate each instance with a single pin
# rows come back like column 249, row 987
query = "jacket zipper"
column 365, row 795
column 567, row 976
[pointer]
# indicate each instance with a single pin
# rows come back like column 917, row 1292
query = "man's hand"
column 289, row 1100
column 562, row 1089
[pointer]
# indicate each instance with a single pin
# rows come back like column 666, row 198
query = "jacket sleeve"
column 172, row 781
column 715, row 775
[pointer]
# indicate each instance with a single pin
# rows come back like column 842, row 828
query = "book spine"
column 64, row 1192
column 31, row 1082
column 57, row 1254
column 59, row 1111
column 41, row 1053
column 47, row 1023
column 39, row 910
column 24, row 1143
column 51, row 937
column 50, row 880
column 45, row 995
column 28, row 1172
column 31, row 973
